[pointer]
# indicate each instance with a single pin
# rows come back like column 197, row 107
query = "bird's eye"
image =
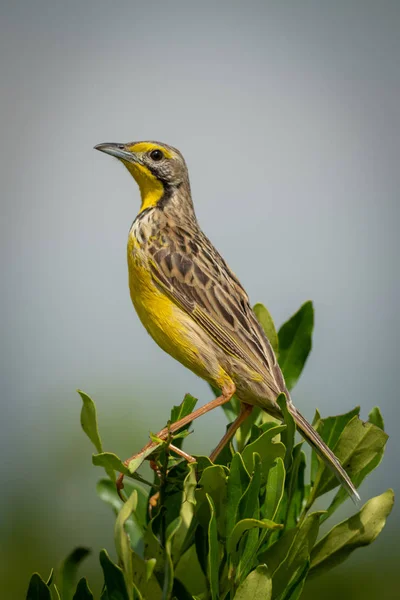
column 156, row 155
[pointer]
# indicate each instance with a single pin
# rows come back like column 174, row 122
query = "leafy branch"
column 240, row 529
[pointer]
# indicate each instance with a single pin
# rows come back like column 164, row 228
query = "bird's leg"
column 245, row 410
column 227, row 393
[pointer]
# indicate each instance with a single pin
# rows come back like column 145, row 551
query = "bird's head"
column 158, row 169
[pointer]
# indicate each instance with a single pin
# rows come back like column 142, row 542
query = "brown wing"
column 194, row 275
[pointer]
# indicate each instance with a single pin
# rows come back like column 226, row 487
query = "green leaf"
column 294, row 586
column 277, row 552
column 213, row 555
column 296, row 488
column 274, row 489
column 104, row 594
column 259, row 428
column 136, row 462
column 114, row 578
column 82, row 591
column 69, row 570
column 249, row 507
column 50, row 578
column 266, row 322
column 111, row 462
column 201, row 544
column 189, row 572
column 202, row 463
column 256, row 586
column 330, row 429
column 357, row 449
column 185, row 408
column 89, row 421
column 291, row 553
column 136, row 524
column 287, row 435
column 145, row 583
column 342, row 495
column 150, row 564
column 295, row 338
column 89, row 426
column 248, row 504
column 243, row 526
column 55, row 593
column 268, row 450
column 238, row 480
column 180, row 592
column 186, row 513
column 122, row 541
column 375, row 417
column 38, row 589
column 213, row 482
column 244, row 430
column 153, row 549
column 179, row 412
column 169, row 570
column 359, row 530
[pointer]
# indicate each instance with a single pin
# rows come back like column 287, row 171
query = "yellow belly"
column 164, row 321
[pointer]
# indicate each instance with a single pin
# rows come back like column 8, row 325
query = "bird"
column 193, row 305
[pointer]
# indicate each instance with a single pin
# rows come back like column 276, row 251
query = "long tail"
column 315, row 440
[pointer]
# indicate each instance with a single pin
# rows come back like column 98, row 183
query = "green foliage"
column 267, row 324
column 38, row 589
column 69, row 570
column 360, row 530
column 240, row 529
column 295, row 343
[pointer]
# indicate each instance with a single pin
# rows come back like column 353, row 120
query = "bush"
column 239, row 529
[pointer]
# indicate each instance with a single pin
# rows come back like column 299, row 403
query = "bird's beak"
column 118, row 150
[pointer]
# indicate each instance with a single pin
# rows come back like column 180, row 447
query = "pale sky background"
column 288, row 114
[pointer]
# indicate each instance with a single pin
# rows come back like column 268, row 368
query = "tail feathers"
column 330, row 460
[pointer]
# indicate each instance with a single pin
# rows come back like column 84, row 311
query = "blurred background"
column 288, row 115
